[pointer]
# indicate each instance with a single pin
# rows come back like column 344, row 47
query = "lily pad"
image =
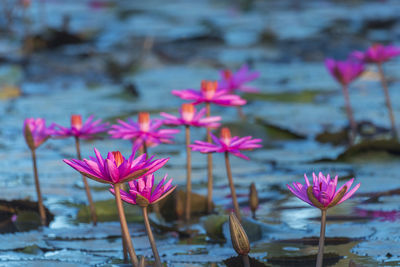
column 303, row 261
column 106, row 211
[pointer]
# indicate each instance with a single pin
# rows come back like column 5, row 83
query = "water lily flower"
column 144, row 188
column 142, row 193
column 323, row 194
column 86, row 130
column 345, row 72
column 324, row 190
column 36, row 133
column 144, row 133
column 377, row 53
column 189, row 117
column 228, row 145
column 115, row 169
column 209, row 94
column 237, row 81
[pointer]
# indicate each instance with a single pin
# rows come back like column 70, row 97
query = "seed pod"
column 253, row 199
column 239, row 237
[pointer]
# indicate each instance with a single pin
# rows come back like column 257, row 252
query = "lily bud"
column 144, row 121
column 253, row 199
column 76, row 121
column 226, row 135
column 240, row 241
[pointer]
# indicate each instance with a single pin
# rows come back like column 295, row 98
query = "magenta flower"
column 377, row 53
column 209, row 94
column 189, row 117
column 86, row 130
column 324, row 190
column 237, row 81
column 344, row 71
column 227, row 143
column 115, row 168
column 36, row 132
column 144, row 187
column 145, row 132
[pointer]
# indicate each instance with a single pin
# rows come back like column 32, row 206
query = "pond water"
column 121, row 57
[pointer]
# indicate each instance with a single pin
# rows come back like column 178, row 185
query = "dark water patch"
column 306, row 260
column 277, row 133
column 306, row 96
column 238, row 262
column 313, row 241
column 365, row 131
column 20, row 216
column 368, row 150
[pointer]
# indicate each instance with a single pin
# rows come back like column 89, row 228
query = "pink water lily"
column 115, row 168
column 227, row 143
column 144, row 187
column 36, row 132
column 324, row 190
column 86, row 130
column 189, row 117
column 377, row 53
column 209, row 94
column 237, row 81
column 344, row 71
column 144, row 132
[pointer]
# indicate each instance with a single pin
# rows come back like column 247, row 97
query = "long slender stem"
column 188, row 174
column 232, row 186
column 145, row 149
column 124, row 227
column 42, row 211
column 87, row 188
column 241, row 113
column 151, row 237
column 387, row 98
column 349, row 111
column 246, row 261
column 321, row 239
column 209, row 166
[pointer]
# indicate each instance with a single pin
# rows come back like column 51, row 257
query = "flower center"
column 208, row 88
column 187, row 112
column 119, row 159
column 227, row 74
column 226, row 135
column 76, row 121
column 144, row 121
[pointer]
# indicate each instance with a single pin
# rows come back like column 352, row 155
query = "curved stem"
column 232, row 186
column 42, row 211
column 349, row 111
column 87, row 188
column 209, row 166
column 387, row 99
column 151, row 237
column 188, row 173
column 321, row 239
column 124, row 227
column 246, row 261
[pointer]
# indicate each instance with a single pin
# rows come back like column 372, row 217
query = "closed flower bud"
column 253, row 199
column 239, row 237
